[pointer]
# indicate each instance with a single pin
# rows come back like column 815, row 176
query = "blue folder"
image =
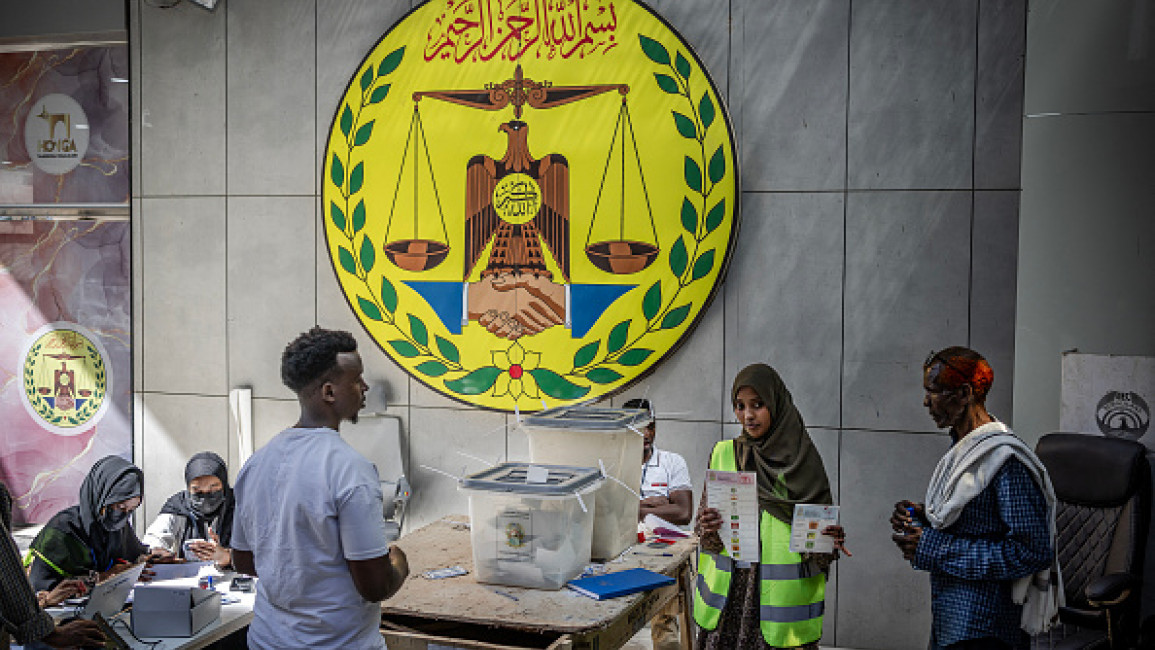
column 619, row 583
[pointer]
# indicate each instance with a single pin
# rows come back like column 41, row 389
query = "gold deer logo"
column 56, row 118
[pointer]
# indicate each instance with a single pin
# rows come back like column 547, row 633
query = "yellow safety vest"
column 793, row 591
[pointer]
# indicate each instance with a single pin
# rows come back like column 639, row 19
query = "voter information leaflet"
column 806, row 530
column 735, row 496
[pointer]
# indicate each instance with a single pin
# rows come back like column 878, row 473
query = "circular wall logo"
column 56, row 133
column 1123, row 415
column 65, row 379
column 530, row 204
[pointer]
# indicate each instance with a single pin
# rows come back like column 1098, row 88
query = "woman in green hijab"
column 778, row 601
column 94, row 535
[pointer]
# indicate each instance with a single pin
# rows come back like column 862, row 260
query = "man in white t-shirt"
column 309, row 518
column 666, row 493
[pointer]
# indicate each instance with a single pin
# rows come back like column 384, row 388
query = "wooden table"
column 461, row 613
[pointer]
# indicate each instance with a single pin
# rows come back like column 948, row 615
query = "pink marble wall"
column 97, row 78
column 75, row 272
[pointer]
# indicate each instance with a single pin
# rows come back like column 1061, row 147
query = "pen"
column 654, row 554
column 507, row 595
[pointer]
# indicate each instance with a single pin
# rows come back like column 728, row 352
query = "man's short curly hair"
column 313, row 355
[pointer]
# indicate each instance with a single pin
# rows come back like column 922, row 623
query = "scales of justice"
column 515, row 207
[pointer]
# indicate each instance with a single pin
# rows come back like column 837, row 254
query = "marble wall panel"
column 994, row 290
column 907, row 293
column 182, row 101
column 388, row 382
column 271, row 295
column 183, row 266
column 1080, row 65
column 784, row 298
column 911, row 115
column 270, row 417
column 450, row 441
column 271, row 65
column 134, row 84
column 137, row 302
column 999, row 93
column 791, row 84
column 887, row 603
column 174, row 427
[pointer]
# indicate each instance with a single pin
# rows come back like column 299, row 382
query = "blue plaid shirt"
column 1000, row 536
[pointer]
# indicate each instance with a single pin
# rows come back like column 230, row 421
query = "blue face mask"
column 114, row 519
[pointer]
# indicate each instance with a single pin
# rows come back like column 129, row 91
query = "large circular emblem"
column 529, row 205
column 65, row 381
column 56, row 133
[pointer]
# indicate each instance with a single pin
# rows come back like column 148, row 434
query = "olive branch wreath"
column 590, row 363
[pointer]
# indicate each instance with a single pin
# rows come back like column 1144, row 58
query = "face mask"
column 206, row 503
column 114, row 519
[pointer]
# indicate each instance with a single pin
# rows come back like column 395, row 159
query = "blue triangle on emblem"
column 589, row 301
column 446, row 300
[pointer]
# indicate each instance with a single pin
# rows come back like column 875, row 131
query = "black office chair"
column 1103, row 487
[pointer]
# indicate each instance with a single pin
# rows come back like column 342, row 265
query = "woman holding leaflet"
column 778, row 601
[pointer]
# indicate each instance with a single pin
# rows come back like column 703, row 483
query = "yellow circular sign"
column 65, row 380
column 517, row 198
column 530, row 205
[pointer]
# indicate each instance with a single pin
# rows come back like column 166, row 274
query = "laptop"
column 108, row 597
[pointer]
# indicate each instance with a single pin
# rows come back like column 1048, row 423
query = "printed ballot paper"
column 735, row 496
column 806, row 531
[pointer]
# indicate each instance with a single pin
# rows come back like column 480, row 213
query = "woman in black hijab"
column 203, row 514
column 95, row 535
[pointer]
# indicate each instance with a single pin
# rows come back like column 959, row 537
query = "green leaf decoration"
column 366, row 79
column 586, row 354
column 682, row 66
column 685, row 126
column 369, row 309
column 556, row 386
column 379, row 93
column 703, row 265
column 674, row 317
column 417, row 329
column 357, row 178
column 388, row 295
column 634, row 357
column 618, row 336
column 667, row 83
column 368, row 254
column 693, row 175
column 448, row 349
column 476, row 382
column 603, row 375
column 678, row 257
column 689, row 217
column 717, row 167
column 655, row 50
column 347, row 261
column 652, row 302
column 363, row 133
column 714, row 218
column 346, row 121
column 337, row 216
column 405, row 348
column 337, row 172
column 359, row 217
column 390, row 62
column 706, row 111
column 432, row 368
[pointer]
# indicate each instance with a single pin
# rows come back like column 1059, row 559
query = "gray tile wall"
column 879, row 144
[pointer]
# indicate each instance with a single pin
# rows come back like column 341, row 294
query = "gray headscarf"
column 112, row 479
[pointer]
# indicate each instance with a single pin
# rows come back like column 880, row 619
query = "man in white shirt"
column 309, row 519
column 666, row 493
